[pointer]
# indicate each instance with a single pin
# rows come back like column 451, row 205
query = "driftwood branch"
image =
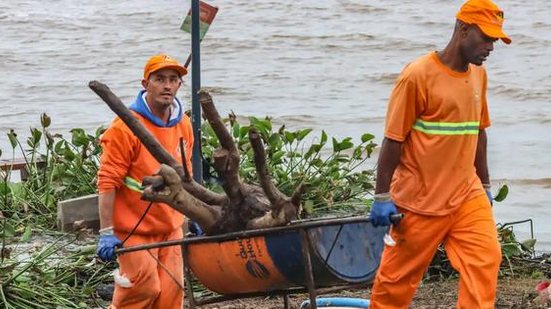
column 149, row 141
column 273, row 194
column 166, row 187
column 187, row 174
column 243, row 206
column 226, row 159
column 283, row 208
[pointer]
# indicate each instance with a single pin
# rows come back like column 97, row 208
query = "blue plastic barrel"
column 347, row 253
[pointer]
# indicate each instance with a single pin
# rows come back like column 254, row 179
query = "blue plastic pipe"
column 337, row 302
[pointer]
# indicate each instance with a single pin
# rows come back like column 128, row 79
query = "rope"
column 137, row 224
column 166, row 270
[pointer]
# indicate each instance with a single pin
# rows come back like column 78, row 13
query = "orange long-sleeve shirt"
column 125, row 156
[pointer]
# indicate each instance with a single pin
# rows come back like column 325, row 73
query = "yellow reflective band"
column 133, row 184
column 447, row 128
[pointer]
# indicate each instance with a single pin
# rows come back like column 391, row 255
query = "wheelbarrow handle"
column 396, row 218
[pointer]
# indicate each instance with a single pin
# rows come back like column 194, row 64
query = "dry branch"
column 149, row 141
column 244, row 205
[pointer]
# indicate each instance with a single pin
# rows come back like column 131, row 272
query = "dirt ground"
column 518, row 293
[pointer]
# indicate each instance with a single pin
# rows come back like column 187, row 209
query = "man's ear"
column 145, row 82
column 463, row 29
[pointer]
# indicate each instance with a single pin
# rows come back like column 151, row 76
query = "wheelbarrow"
column 305, row 256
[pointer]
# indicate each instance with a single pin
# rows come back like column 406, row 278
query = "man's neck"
column 451, row 57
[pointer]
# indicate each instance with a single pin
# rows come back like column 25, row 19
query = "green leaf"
column 27, row 234
column 369, row 148
column 502, row 193
column 367, row 137
column 243, row 131
column 59, row 147
column 340, row 146
column 12, row 136
column 344, row 145
column 34, row 139
column 335, row 145
column 263, row 126
column 235, row 130
column 317, row 162
column 79, row 137
column 301, row 134
column 68, row 154
column 323, row 137
column 308, row 206
column 99, row 131
column 357, row 154
column 5, row 189
column 290, row 137
column 7, row 229
column 528, row 245
column 274, row 140
column 276, row 158
column 510, row 249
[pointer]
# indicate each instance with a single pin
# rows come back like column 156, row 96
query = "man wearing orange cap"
column 432, row 167
column 149, row 278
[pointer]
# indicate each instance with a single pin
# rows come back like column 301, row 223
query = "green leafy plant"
column 333, row 171
column 56, row 275
column 55, row 169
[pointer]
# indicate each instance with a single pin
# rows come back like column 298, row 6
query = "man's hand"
column 195, row 228
column 106, row 246
column 381, row 211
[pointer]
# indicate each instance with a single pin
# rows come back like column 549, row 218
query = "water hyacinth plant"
column 335, row 173
column 56, row 169
column 63, row 271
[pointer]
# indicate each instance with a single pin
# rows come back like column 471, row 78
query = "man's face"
column 476, row 45
column 161, row 87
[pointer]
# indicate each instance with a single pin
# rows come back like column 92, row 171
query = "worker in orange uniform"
column 432, row 167
column 149, row 278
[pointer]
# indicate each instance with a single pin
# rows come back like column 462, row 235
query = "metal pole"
column 189, row 282
column 308, row 269
column 195, row 87
column 249, row 233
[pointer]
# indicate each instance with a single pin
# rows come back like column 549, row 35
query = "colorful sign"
column 207, row 13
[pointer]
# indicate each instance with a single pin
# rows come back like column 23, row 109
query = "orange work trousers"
column 156, row 274
column 470, row 240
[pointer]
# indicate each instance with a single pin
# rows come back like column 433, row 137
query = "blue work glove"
column 381, row 211
column 194, row 228
column 106, row 246
column 490, row 197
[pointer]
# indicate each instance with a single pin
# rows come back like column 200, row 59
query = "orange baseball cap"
column 486, row 15
column 162, row 61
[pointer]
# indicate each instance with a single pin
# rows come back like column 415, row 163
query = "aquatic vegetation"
column 56, row 168
column 60, row 270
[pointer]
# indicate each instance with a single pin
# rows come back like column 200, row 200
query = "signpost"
column 197, row 22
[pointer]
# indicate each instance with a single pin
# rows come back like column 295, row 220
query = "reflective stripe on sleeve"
column 133, row 184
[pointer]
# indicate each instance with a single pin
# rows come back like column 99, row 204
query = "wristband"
column 106, row 231
column 382, row 197
column 486, row 186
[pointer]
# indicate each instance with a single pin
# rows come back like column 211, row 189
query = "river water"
column 322, row 64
